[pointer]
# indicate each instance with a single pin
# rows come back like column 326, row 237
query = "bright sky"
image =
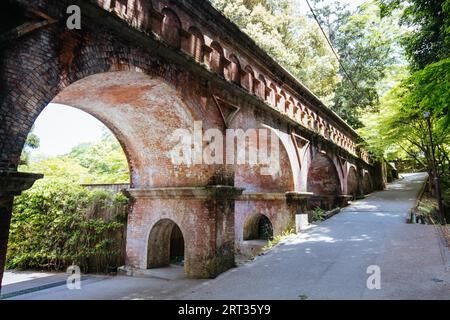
column 305, row 9
column 60, row 128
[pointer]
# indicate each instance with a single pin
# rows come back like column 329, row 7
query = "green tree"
column 100, row 162
column 399, row 130
column 32, row 142
column 54, row 225
column 429, row 22
column 366, row 45
column 104, row 160
column 290, row 38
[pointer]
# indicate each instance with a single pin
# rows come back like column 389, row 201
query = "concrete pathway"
column 328, row 261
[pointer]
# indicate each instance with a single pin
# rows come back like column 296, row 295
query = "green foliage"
column 428, row 39
column 56, row 224
column 429, row 22
column 289, row 231
column 399, row 130
column 429, row 90
column 428, row 210
column 318, row 214
column 291, row 39
column 367, row 47
column 366, row 43
column 98, row 162
column 32, row 142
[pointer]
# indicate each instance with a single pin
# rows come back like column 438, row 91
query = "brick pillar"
column 205, row 216
column 360, row 175
column 12, row 183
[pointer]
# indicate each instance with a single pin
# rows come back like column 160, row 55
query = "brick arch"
column 119, row 99
column 119, row 6
column 234, row 70
column 64, row 74
column 44, row 79
column 323, row 177
column 50, row 73
column 273, row 95
column 266, row 194
column 367, row 183
column 283, row 100
column 159, row 243
column 251, row 178
column 140, row 14
column 170, row 29
column 290, row 105
column 250, row 76
column 196, row 42
column 216, row 58
column 352, row 182
column 253, row 225
column 262, row 87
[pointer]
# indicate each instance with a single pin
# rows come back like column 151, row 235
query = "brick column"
column 12, row 183
column 205, row 216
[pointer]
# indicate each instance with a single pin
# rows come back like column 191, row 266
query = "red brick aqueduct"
column 145, row 68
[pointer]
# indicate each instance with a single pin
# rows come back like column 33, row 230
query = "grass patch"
column 428, row 209
column 275, row 240
column 318, row 214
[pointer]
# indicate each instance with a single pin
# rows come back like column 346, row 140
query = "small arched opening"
column 273, row 95
column 367, row 183
column 234, row 70
column 262, row 87
column 250, row 75
column 352, row 182
column 258, row 227
column 216, row 58
column 196, row 43
column 171, row 26
column 165, row 245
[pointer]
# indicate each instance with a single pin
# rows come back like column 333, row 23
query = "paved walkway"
column 328, row 261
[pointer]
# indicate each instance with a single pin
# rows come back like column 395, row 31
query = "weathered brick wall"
column 147, row 68
column 206, row 221
column 323, row 178
column 352, row 182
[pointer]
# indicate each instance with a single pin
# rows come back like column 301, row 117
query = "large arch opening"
column 352, row 182
column 165, row 245
column 258, row 227
column 323, row 178
column 367, row 183
column 85, row 171
column 142, row 111
column 71, row 143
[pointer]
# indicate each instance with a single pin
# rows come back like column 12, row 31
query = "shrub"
column 318, row 214
column 56, row 224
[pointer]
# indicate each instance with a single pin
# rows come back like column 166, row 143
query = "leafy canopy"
column 100, row 162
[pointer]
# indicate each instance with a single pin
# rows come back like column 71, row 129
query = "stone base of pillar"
column 205, row 216
column 301, row 222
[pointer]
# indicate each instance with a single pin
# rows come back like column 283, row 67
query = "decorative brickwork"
column 145, row 68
